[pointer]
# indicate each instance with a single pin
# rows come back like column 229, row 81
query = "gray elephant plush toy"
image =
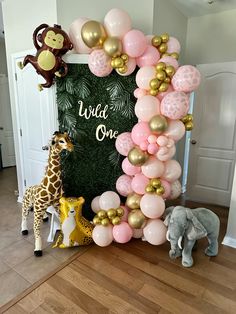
column 191, row 225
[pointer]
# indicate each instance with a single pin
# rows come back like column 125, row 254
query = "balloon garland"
column 150, row 174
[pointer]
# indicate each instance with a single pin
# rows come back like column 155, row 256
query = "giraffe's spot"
column 43, row 193
column 55, row 162
column 57, row 184
column 49, row 173
column 54, row 179
column 51, row 189
column 45, row 181
column 56, row 169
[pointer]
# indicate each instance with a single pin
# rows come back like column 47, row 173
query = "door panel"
column 212, row 158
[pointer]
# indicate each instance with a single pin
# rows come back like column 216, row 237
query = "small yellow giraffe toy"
column 75, row 229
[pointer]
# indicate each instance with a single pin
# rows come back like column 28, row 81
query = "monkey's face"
column 53, row 40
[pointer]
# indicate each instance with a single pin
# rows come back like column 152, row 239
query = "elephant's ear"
column 167, row 220
column 195, row 229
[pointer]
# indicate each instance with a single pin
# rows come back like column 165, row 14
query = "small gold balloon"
column 165, row 37
column 160, row 66
column 111, row 213
column 133, row 201
column 189, row 126
column 162, row 48
column 118, row 62
column 112, row 46
column 160, row 190
column 166, row 54
column 137, row 157
column 123, row 69
column 136, row 219
column 163, row 87
column 93, row 34
column 116, row 220
column 156, row 183
column 125, row 57
column 120, row 212
column 113, row 63
column 189, row 117
column 149, row 189
column 167, row 80
column 156, row 41
column 105, row 222
column 185, row 119
column 160, row 75
column 170, row 70
column 96, row 220
column 102, row 214
column 175, row 55
column 153, row 92
column 154, row 83
column 158, row 124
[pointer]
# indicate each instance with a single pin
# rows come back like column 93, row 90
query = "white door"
column 37, row 115
column 6, row 130
column 213, row 140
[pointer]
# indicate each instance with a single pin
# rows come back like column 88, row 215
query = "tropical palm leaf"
column 69, row 82
column 82, row 87
column 68, row 121
column 64, row 101
column 115, row 89
column 114, row 158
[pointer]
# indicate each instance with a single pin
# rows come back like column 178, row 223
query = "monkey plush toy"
column 51, row 43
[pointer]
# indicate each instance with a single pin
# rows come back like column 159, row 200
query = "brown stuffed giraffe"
column 48, row 192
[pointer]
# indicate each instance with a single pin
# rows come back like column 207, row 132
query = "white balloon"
column 95, row 204
column 117, row 23
column 108, row 200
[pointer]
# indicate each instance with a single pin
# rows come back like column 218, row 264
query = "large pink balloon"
column 123, row 185
column 134, row 43
column 144, row 76
column 175, row 130
column 139, row 92
column 170, row 61
column 95, row 204
column 99, row 63
column 140, row 132
column 172, row 171
column 102, row 236
column 186, row 79
column 75, row 35
column 175, row 105
column 155, row 232
column 139, row 183
column 117, row 23
column 122, row 233
column 166, row 185
column 146, row 107
column 109, row 199
column 173, row 45
column 152, row 205
column 150, row 57
column 124, row 143
column 129, row 169
column 175, row 190
column 131, row 65
column 153, row 168
column 126, row 213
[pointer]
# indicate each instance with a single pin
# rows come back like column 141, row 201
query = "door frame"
column 16, row 121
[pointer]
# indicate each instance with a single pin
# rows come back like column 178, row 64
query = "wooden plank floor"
column 138, row 278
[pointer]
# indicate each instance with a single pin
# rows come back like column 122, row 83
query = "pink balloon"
column 140, row 132
column 124, row 143
column 102, row 236
column 170, row 61
column 176, row 190
column 155, row 232
column 128, row 168
column 123, row 185
column 186, row 79
column 117, row 22
column 75, row 35
column 109, row 199
column 166, row 185
column 162, row 140
column 164, row 155
column 99, row 63
column 175, row 105
column 144, row 76
column 139, row 92
column 146, row 107
column 139, row 183
column 149, row 39
column 144, row 145
column 95, row 204
column 152, row 205
column 122, row 233
column 137, row 233
column 134, row 43
column 126, row 213
column 175, row 130
column 173, row 45
column 131, row 65
column 172, row 171
column 152, row 148
column 160, row 96
column 152, row 139
column 150, row 57
column 153, row 168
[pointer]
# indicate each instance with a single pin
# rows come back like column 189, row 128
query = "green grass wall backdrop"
column 93, row 110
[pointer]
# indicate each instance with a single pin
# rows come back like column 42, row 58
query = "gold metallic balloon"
column 160, row 66
column 137, row 157
column 125, row 57
column 189, row 126
column 136, row 219
column 165, row 37
column 160, row 190
column 120, row 212
column 96, row 220
column 93, row 34
column 112, row 46
column 160, row 75
column 175, row 55
column 170, row 70
column 105, row 222
column 156, row 183
column 185, row 119
column 118, row 62
column 166, row 54
column 111, row 213
column 167, row 80
column 189, row 117
column 116, row 220
column 163, row 87
column 158, row 124
column 123, row 69
column 153, row 92
column 133, row 201
column 102, row 214
column 149, row 189
column 154, row 83
column 156, row 41
column 163, row 47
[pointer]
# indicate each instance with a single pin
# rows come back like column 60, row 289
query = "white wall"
column 211, row 38
column 3, row 60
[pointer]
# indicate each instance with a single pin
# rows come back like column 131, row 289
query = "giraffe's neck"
column 53, row 170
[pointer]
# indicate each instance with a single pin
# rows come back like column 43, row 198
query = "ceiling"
column 189, row 8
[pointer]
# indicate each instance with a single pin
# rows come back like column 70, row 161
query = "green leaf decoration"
column 68, row 121
column 64, row 101
column 70, row 85
column 82, row 87
column 115, row 89
column 114, row 158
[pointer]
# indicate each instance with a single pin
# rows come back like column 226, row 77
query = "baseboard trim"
column 229, row 241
